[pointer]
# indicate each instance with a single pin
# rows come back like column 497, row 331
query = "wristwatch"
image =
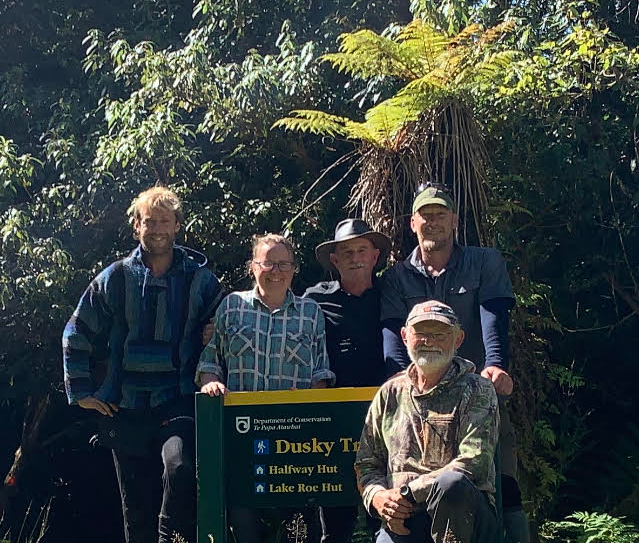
column 407, row 493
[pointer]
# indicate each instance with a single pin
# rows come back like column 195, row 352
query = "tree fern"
column 426, row 130
column 435, row 68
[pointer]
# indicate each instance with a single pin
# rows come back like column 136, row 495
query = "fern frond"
column 390, row 116
column 433, row 83
column 366, row 134
column 366, row 54
column 451, row 62
column 509, row 207
column 602, row 527
column 325, row 124
column 315, row 122
column 496, row 66
column 420, row 44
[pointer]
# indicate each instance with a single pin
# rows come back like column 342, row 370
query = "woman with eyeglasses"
column 265, row 339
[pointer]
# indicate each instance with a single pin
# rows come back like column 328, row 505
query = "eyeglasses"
column 432, row 185
column 283, row 266
column 440, row 336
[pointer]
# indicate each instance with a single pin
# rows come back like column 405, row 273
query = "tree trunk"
column 29, row 445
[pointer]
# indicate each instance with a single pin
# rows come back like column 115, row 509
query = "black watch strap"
column 407, row 493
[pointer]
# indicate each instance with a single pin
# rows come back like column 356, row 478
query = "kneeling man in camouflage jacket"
column 425, row 462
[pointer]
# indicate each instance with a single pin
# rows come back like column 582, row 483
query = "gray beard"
column 430, row 362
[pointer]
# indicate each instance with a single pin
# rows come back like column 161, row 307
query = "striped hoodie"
column 147, row 330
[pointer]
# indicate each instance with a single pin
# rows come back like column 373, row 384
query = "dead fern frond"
column 444, row 145
column 468, row 35
column 494, row 33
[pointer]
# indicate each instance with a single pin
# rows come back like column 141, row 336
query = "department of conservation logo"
column 243, row 424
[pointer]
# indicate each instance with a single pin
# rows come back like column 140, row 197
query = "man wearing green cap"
column 475, row 283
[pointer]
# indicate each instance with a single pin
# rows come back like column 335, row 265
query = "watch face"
column 405, row 492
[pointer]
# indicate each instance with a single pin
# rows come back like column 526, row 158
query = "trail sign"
column 276, row 449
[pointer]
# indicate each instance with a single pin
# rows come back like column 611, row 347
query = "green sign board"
column 276, row 449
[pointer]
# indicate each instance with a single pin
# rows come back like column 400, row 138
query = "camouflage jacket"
column 410, row 438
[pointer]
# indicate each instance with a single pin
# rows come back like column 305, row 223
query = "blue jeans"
column 454, row 505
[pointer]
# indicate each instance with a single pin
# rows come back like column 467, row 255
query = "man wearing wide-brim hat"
column 351, row 306
column 351, row 302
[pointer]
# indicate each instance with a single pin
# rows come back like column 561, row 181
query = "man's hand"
column 393, row 508
column 502, row 381
column 107, row 409
column 207, row 332
column 397, row 526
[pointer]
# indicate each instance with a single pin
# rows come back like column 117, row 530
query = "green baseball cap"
column 433, row 195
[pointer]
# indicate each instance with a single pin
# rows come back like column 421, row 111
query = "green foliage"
column 100, row 103
column 557, row 111
column 448, row 15
column 561, row 129
column 15, row 171
column 435, row 68
column 584, row 527
column 587, row 60
column 158, row 91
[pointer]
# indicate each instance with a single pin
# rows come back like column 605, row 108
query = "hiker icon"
column 261, row 446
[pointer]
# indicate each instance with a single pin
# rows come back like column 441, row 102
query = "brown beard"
column 150, row 249
column 430, row 245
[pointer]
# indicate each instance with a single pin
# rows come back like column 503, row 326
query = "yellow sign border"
column 312, row 395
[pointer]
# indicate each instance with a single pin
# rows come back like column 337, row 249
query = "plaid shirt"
column 255, row 349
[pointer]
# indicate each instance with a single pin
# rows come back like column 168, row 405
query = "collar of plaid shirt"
column 255, row 298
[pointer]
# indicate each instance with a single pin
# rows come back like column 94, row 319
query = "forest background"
column 98, row 100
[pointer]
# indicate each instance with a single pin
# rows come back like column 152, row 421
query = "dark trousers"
column 138, row 478
column 455, row 511
column 338, row 523
column 251, row 525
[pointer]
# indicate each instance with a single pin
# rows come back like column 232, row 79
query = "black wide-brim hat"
column 351, row 229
